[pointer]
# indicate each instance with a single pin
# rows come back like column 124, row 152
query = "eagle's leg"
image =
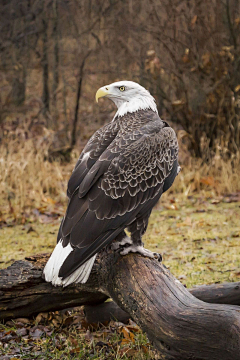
column 121, row 240
column 137, row 229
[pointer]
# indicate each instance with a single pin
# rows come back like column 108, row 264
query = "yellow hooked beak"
column 103, row 91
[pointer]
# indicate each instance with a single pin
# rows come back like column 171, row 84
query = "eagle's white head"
column 128, row 96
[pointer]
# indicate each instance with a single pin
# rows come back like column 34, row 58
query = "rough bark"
column 226, row 293
column 23, row 292
column 179, row 325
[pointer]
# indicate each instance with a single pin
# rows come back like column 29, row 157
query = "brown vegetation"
column 29, row 180
column 55, row 54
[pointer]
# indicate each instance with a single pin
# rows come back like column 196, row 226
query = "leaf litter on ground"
column 70, row 337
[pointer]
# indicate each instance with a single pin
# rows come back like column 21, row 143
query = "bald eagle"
column 119, row 177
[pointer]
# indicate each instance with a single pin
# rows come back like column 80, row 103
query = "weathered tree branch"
column 23, row 292
column 178, row 324
column 226, row 293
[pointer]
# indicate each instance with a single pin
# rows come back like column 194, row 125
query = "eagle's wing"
column 124, row 183
column 96, row 145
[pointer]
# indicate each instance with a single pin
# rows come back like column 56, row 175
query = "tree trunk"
column 79, row 90
column 45, row 94
column 18, row 91
column 179, row 325
column 55, row 33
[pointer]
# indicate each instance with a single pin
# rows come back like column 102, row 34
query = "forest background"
column 56, row 54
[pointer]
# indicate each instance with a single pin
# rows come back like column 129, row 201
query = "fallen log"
column 179, row 325
column 226, row 293
column 23, row 292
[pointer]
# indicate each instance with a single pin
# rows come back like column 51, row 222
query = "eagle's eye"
column 122, row 88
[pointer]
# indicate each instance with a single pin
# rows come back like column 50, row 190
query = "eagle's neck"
column 135, row 104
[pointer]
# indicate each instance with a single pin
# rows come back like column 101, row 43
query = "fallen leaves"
column 128, row 336
column 208, row 180
column 35, row 332
column 230, row 198
column 40, row 339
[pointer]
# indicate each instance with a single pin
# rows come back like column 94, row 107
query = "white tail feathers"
column 55, row 262
column 80, row 275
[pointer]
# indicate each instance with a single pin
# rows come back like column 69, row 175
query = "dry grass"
column 29, row 181
column 220, row 177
